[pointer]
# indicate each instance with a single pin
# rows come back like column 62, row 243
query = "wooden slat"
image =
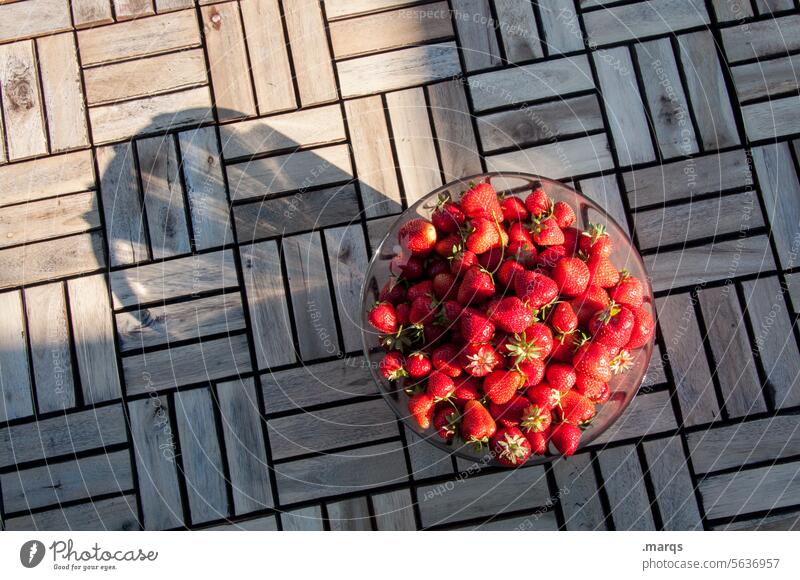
column 172, row 279
column 477, row 38
column 205, row 188
column 413, row 141
column 170, row 5
column 262, row 524
column 377, row 230
column 89, row 13
column 289, row 131
column 356, row 424
column 692, row 265
column 604, row 191
column 311, row 300
column 34, row 18
column 129, row 9
column 669, row 110
column 727, row 11
column 793, row 286
column 227, row 56
column 393, row 29
column 397, row 69
column 138, row 329
column 520, row 36
column 60, row 482
column 771, row 119
column 455, row 136
column 647, row 414
column 770, row 6
column 48, row 331
column 767, row 37
column 733, row 357
column 541, row 80
column 539, row 521
column 349, row 515
column 32, row 180
column 139, row 38
column 558, row 160
column 52, row 259
column 150, row 115
column 674, row 491
column 706, row 86
column 119, row 187
column 49, row 218
column 766, row 78
column 247, row 460
column 561, row 27
column 116, row 513
column 63, row 94
column 266, row 301
column 145, row 77
column 687, row 359
column 22, row 101
column 372, row 154
column 163, row 197
column 269, row 59
column 581, row 503
column 155, row 454
column 394, row 511
column 309, row 385
column 93, row 329
column 347, row 256
column 774, row 340
column 786, row 522
column 341, row 8
column 765, row 488
column 307, row 519
column 184, row 365
column 635, row 21
column 290, row 172
column 16, row 400
column 201, row 456
column 625, row 487
column 311, row 56
column 426, row 460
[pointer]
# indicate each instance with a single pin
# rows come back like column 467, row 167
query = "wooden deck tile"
column 455, row 137
column 49, row 218
column 780, row 522
column 46, row 177
column 477, row 38
column 394, row 511
column 604, row 191
column 262, row 524
column 128, row 9
column 561, row 27
column 674, row 490
column 302, row 520
column 37, row 17
column 771, row 78
column 647, row 414
column 17, row 398
column 90, row 13
column 568, row 158
column 580, row 496
column 349, row 515
column 521, row 41
column 642, row 19
column 625, row 487
column 771, row 119
column 310, row 53
column 22, row 100
column 113, row 514
column 426, row 460
column 767, row 37
column 752, row 490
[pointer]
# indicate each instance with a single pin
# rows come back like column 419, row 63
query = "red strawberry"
column 576, row 408
column 481, row 201
column 543, row 395
column 475, row 327
column 479, row 359
column 477, row 425
column 424, row 288
column 417, row 236
column 612, row 326
column 511, row 315
column 595, row 241
column 535, row 343
column 535, row 289
column 391, row 366
column 444, row 285
column 560, row 376
column 507, row 271
column 511, row 447
column 509, row 414
column 571, row 236
column 450, row 312
column 462, row 261
column 421, row 405
column 433, row 334
column 393, row 291
column 384, row 317
column 409, row 267
column 440, row 386
column 403, row 311
column 476, row 286
column 491, row 260
column 563, row 318
column 501, row 386
column 514, row 210
column 436, row 266
column 445, row 360
column 533, row 370
column 565, row 345
column 643, row 328
column 551, row 255
column 604, row 396
column 467, row 389
column 602, row 272
column 537, row 202
column 565, row 437
column 563, row 214
column 547, row 233
column 585, row 305
column 423, row 310
column 571, row 275
column 485, row 235
column 418, row 365
column 589, row 387
column 523, row 252
column 448, row 217
column 594, row 359
column 446, row 246
column 445, row 421
column 623, row 362
column 535, row 418
column 539, row 441
column 518, row 232
column 629, row 291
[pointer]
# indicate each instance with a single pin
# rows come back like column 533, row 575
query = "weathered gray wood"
column 201, row 456
column 347, row 256
column 687, row 359
column 394, row 511
column 37, row 17
column 163, row 197
column 426, row 460
column 752, row 490
column 733, row 357
column 116, row 513
column 656, row 374
column 173, row 278
column 770, row 6
column 32, row 180
column 138, row 329
column 262, row 524
column 21, row 100
column 520, row 37
column 328, row 475
column 266, row 300
column 766, row 78
column 342, row 8
column 349, row 515
column 311, row 300
column 477, row 37
column 562, row 30
column 767, row 37
column 455, row 137
column 155, row 453
column 669, row 110
column 193, row 363
column 793, row 286
column 72, row 480
column 49, row 218
column 303, row 520
column 93, row 329
column 771, row 119
column 635, row 21
column 397, row 69
column 129, row 9
column 669, row 471
column 780, row 522
column 707, row 89
column 727, row 11
column 647, row 414
column 604, row 191
column 625, row 487
column 537, row 521
column 567, row 158
column 48, row 330
column 311, row 56
column 377, row 230
column 15, row 380
column 580, row 496
column 774, row 340
column 247, row 460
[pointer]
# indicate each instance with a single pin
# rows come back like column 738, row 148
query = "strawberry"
column 421, row 406
column 476, row 286
column 551, row 255
column 481, row 201
column 563, row 318
column 535, row 289
column 433, row 334
column 509, row 414
column 565, row 345
column 576, row 408
column 612, row 326
column 602, row 272
column 444, row 285
column 535, row 343
column 449, row 312
column 391, row 366
column 383, row 317
column 467, row 389
column 485, row 235
column 507, row 271
column 403, row 311
column 604, row 396
column 462, row 260
column 514, row 209
column 436, row 266
column 501, row 386
column 571, row 235
column 589, row 387
column 518, row 232
column 623, row 362
column 543, row 395
column 475, row 327
column 423, row 310
column 510, row 315
column 446, row 246
column 595, row 241
column 629, row 291
column 594, row 359
column 418, row 365
column 409, row 267
column 535, row 418
column 477, row 425
column 490, row 260
column 511, row 447
column 440, row 386
column 445, row 360
column 571, row 275
column 424, row 288
column 547, row 233
column 563, row 214
column 643, row 328
column 445, row 421
column 533, row 370
column 523, row 252
column 539, row 441
column 565, row 437
column 479, row 359
column 585, row 305
column 560, row 376
column 417, row 236
column 393, row 292
column 448, row 217
column 537, row 202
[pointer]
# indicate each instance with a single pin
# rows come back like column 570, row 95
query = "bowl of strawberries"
column 507, row 319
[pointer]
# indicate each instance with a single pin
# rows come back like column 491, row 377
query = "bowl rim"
column 456, row 450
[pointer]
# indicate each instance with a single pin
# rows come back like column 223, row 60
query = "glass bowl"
column 623, row 387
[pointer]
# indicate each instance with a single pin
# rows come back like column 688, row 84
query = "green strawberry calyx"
column 523, row 350
column 512, row 448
